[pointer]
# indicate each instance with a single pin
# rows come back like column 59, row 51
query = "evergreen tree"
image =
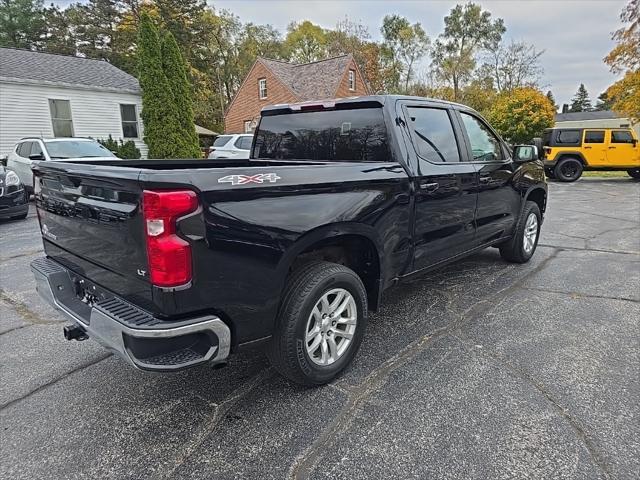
column 174, row 68
column 22, row 23
column 581, row 101
column 162, row 131
column 552, row 99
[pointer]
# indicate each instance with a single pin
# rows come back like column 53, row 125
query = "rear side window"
column 357, row 135
column 568, row 137
column 433, row 134
column 221, row 140
column 244, row 143
column 621, row 136
column 594, row 136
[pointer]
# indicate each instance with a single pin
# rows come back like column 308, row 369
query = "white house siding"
column 24, row 112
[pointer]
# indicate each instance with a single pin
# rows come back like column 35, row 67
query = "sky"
column 575, row 34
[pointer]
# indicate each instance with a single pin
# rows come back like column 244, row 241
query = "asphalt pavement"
column 480, row 370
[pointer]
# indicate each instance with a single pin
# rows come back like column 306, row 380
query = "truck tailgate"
column 91, row 223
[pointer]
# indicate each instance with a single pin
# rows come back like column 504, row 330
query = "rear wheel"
column 320, row 325
column 521, row 247
column 634, row 173
column 568, row 169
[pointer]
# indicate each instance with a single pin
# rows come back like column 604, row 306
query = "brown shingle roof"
column 310, row 81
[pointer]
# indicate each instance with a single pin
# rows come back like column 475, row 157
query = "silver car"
column 232, row 146
column 31, row 149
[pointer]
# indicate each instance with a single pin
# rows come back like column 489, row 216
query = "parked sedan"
column 29, row 150
column 14, row 200
column 232, row 146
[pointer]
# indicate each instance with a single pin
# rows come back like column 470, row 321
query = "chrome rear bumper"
column 144, row 341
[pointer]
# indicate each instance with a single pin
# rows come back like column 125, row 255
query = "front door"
column 594, row 147
column 445, row 187
column 622, row 150
column 498, row 201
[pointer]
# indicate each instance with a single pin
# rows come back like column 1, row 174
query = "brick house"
column 272, row 81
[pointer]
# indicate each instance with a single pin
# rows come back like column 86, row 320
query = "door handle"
column 429, row 187
column 611, row 148
column 485, row 179
column 587, row 147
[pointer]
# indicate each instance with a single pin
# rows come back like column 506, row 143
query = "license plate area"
column 88, row 292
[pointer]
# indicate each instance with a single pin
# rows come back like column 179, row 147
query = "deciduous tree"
column 522, row 114
column 306, row 42
column 405, row 43
column 467, row 30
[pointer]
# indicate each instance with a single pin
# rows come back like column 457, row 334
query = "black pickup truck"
column 175, row 263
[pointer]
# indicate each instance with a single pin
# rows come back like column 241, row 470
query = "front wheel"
column 634, row 173
column 521, row 247
column 320, row 324
column 568, row 170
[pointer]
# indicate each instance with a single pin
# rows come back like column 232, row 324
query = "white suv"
column 232, row 146
column 31, row 149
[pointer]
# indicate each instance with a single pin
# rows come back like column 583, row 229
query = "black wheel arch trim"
column 571, row 153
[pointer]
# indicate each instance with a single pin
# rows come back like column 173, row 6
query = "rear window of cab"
column 356, row 135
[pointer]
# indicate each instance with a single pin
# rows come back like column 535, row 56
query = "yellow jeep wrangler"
column 570, row 151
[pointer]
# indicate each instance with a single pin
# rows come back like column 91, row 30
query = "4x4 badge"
column 245, row 179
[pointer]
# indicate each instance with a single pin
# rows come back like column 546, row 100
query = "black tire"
column 568, row 169
column 634, row 173
column 287, row 350
column 514, row 249
column 22, row 216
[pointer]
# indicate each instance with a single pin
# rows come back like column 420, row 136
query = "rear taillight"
column 169, row 255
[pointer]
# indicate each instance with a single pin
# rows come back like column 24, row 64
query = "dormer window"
column 262, row 88
column 352, row 80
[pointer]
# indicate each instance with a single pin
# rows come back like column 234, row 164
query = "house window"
column 247, row 126
column 262, row 87
column 61, row 118
column 129, row 121
column 352, row 80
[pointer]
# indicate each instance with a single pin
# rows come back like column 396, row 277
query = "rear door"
column 498, row 201
column 594, row 147
column 445, row 197
column 622, row 151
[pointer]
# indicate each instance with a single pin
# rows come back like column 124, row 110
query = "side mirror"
column 3, row 160
column 525, row 153
column 36, row 156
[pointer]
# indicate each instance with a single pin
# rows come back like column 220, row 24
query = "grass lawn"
column 616, row 174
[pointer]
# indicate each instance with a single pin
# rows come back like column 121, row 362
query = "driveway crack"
column 581, row 433
column 305, row 463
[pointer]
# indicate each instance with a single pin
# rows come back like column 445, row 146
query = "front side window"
column 352, row 80
column 621, row 136
column 129, row 121
column 262, row 88
column 61, row 118
column 356, row 135
column 594, row 136
column 485, row 146
column 433, row 134
column 24, row 149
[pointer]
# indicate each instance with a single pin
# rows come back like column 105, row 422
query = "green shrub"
column 125, row 150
